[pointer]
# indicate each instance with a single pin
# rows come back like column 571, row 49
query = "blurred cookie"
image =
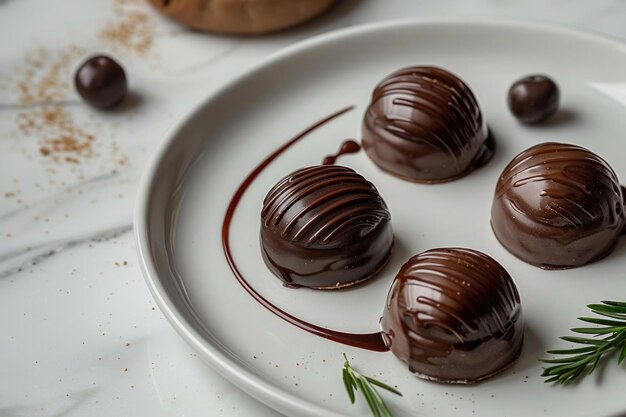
column 242, row 17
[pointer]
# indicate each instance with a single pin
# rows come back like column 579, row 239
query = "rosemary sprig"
column 608, row 337
column 355, row 381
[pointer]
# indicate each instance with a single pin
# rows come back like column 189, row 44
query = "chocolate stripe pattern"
column 325, row 226
column 454, row 316
column 425, row 125
column 558, row 206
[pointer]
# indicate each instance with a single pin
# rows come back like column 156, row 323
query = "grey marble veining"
column 18, row 260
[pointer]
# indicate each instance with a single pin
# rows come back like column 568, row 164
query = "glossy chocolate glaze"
column 454, row 316
column 424, row 124
column 369, row 341
column 558, row 206
column 325, row 227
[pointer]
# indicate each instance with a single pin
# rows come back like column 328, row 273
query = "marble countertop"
column 81, row 335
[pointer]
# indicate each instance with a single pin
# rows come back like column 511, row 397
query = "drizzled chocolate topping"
column 558, row 206
column 325, row 227
column 424, row 124
column 454, row 316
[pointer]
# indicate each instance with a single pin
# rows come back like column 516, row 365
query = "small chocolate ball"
column 534, row 98
column 101, row 82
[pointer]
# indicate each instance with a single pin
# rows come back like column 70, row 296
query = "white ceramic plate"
column 190, row 181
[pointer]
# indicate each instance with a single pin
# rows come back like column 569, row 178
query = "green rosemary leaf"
column 551, row 371
column 577, row 362
column 622, row 355
column 595, row 363
column 570, row 375
column 384, row 386
column 595, row 330
column 572, row 351
column 602, row 322
column 605, row 308
column 354, row 381
column 368, row 397
column 348, row 384
column 385, row 412
column 584, row 341
column 618, row 316
column 550, row 380
column 616, row 304
column 560, row 369
column 610, row 306
column 378, row 400
column 571, row 359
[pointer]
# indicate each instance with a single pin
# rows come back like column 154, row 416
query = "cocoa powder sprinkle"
column 131, row 30
column 42, row 91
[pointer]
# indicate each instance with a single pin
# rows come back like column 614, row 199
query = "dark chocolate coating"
column 454, row 316
column 424, row 124
column 558, row 206
column 534, row 98
column 325, row 227
column 101, row 82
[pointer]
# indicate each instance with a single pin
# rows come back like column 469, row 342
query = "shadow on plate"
column 563, row 116
column 132, row 101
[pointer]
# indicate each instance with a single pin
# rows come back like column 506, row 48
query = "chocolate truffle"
column 424, row 125
column 533, row 99
column 558, row 206
column 101, row 82
column 325, row 227
column 454, row 316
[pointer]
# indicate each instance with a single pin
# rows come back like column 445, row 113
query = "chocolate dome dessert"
column 424, row 124
column 558, row 206
column 325, row 227
column 454, row 316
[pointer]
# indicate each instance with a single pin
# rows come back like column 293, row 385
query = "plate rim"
column 269, row 394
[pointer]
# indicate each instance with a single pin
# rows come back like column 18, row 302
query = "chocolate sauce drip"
column 454, row 316
column 372, row 341
column 347, row 147
column 558, row 206
column 325, row 227
column 425, row 125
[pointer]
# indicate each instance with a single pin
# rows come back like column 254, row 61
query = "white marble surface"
column 80, row 335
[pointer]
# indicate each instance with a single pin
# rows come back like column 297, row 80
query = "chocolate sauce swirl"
column 325, row 226
column 370, row 341
column 454, row 316
column 558, row 206
column 425, row 125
